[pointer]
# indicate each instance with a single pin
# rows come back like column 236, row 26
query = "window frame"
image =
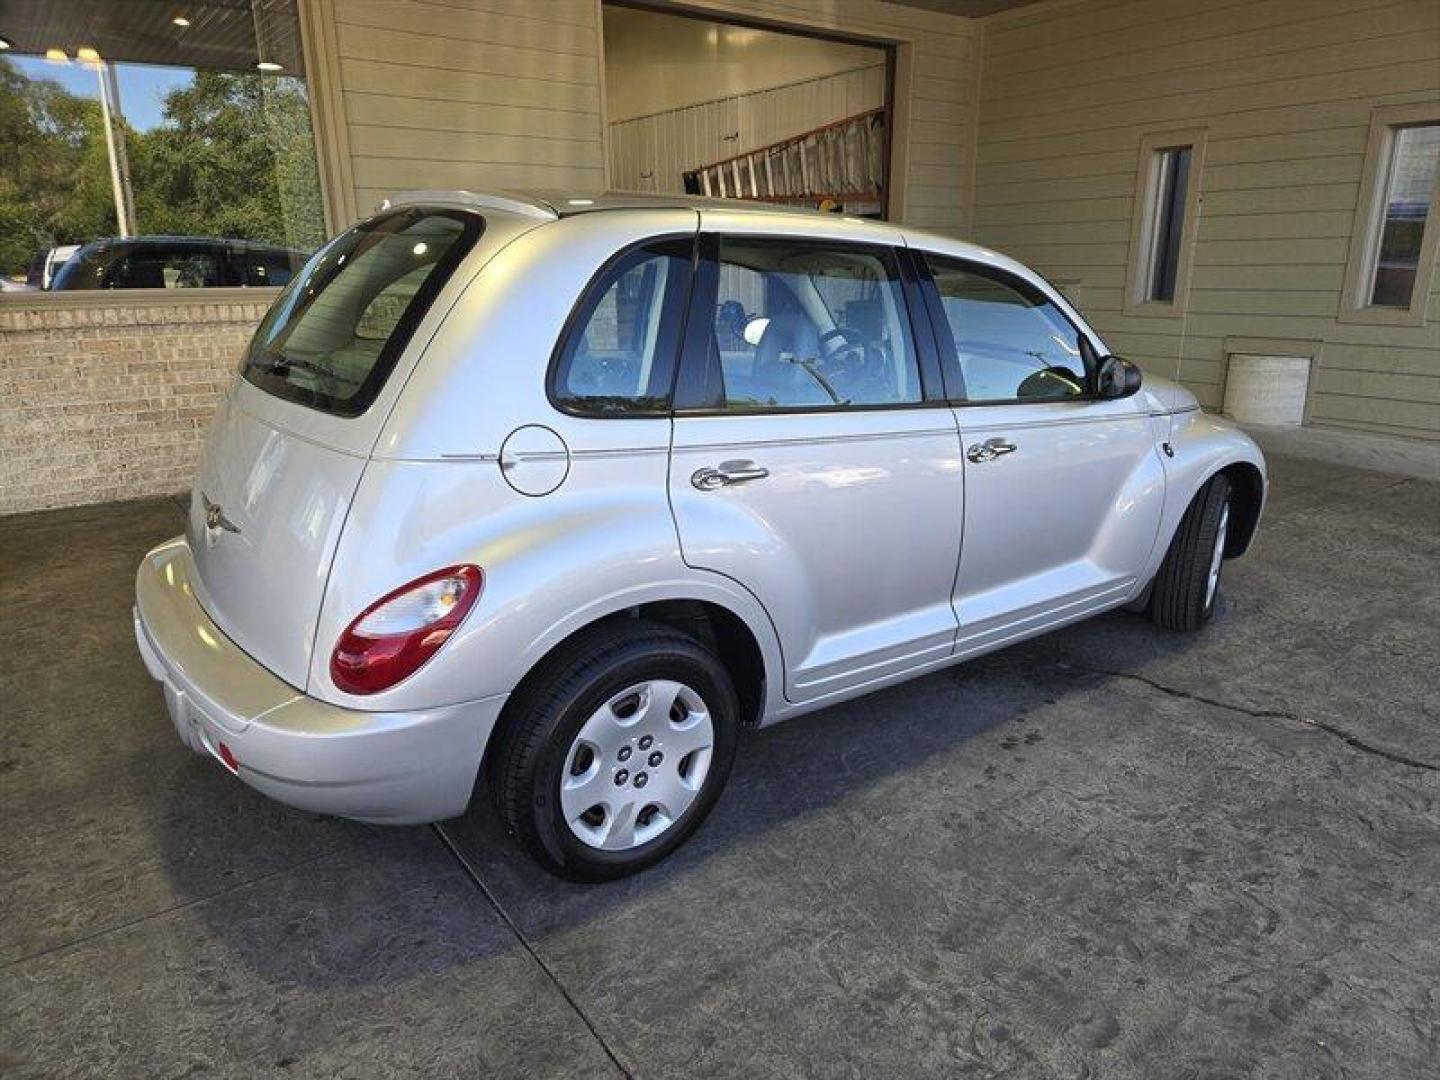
column 1365, row 232
column 473, row 226
column 334, row 165
column 945, row 339
column 578, row 320
column 688, row 399
column 1144, row 223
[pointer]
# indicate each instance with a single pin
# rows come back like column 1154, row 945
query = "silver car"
column 562, row 493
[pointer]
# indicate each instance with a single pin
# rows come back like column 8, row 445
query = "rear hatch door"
column 290, row 440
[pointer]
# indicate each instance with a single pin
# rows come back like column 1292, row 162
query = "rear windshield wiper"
column 283, row 363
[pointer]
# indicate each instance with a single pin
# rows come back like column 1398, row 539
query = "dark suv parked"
column 177, row 262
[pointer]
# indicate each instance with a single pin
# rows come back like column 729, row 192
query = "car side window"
column 160, row 268
column 618, row 354
column 808, row 325
column 1011, row 341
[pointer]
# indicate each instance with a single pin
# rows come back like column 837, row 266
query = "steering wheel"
column 847, row 336
column 856, row 360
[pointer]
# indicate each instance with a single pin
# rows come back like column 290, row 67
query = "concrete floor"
column 1111, row 852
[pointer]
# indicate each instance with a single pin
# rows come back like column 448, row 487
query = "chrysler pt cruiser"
column 562, row 493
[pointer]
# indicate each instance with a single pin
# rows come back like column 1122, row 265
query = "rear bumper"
column 387, row 767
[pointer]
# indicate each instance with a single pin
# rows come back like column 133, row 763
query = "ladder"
column 838, row 166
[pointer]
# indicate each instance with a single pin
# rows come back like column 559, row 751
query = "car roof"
column 552, row 205
column 559, row 203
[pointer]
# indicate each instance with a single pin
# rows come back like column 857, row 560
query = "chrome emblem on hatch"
column 215, row 518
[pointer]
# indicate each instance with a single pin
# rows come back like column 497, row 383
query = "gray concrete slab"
column 160, row 919
column 1110, row 851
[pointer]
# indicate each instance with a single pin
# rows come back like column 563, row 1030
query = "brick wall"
column 102, row 403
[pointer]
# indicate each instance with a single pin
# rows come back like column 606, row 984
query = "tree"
column 48, row 139
column 233, row 157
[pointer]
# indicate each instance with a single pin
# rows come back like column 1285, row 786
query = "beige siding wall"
column 1285, row 89
column 492, row 93
column 467, row 93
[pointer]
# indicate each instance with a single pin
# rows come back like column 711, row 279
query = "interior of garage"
column 1103, row 852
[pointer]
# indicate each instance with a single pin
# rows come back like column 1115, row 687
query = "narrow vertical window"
column 1172, row 178
column 1167, row 200
column 1400, row 226
column 1395, row 240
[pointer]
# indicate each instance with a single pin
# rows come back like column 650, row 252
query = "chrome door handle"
column 727, row 473
column 989, row 450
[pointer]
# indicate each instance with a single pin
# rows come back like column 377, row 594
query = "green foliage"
column 233, row 157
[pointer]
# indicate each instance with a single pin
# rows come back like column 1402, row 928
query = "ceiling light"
column 56, row 56
column 267, row 65
column 88, row 55
column 181, row 21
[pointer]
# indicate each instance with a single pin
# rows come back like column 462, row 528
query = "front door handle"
column 989, row 450
column 727, row 473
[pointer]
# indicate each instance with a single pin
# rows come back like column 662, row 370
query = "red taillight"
column 394, row 636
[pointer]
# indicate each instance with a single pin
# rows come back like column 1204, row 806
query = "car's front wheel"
column 616, row 751
column 1188, row 583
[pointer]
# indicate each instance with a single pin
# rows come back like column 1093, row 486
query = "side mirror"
column 1116, row 378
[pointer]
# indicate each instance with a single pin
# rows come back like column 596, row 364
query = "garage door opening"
column 705, row 107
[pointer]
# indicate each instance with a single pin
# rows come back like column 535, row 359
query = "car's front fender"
column 1202, row 445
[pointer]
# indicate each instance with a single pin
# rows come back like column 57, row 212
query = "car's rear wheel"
column 616, row 750
column 1187, row 585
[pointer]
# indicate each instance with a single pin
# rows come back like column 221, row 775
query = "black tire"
column 541, row 724
column 1178, row 600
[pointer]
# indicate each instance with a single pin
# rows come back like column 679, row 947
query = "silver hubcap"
column 637, row 765
column 1217, row 556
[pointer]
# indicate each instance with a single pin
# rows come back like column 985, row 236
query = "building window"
column 1172, row 175
column 1404, row 211
column 1166, row 201
column 1393, row 249
column 154, row 144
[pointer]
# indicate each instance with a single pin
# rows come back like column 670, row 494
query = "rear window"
column 332, row 338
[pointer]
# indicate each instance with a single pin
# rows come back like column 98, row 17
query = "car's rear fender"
column 601, row 544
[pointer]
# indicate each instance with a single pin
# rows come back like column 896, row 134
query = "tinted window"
column 1012, row 343
column 268, row 266
column 801, row 325
column 162, row 269
column 619, row 354
column 146, row 265
column 333, row 336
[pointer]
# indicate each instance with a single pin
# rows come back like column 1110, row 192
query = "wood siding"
column 486, row 94
column 1285, row 89
column 478, row 94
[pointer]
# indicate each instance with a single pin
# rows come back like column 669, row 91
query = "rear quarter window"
column 332, row 338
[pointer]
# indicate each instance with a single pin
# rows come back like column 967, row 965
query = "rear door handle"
column 727, row 473
column 989, row 450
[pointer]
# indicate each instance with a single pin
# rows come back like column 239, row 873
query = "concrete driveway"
column 1108, row 852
